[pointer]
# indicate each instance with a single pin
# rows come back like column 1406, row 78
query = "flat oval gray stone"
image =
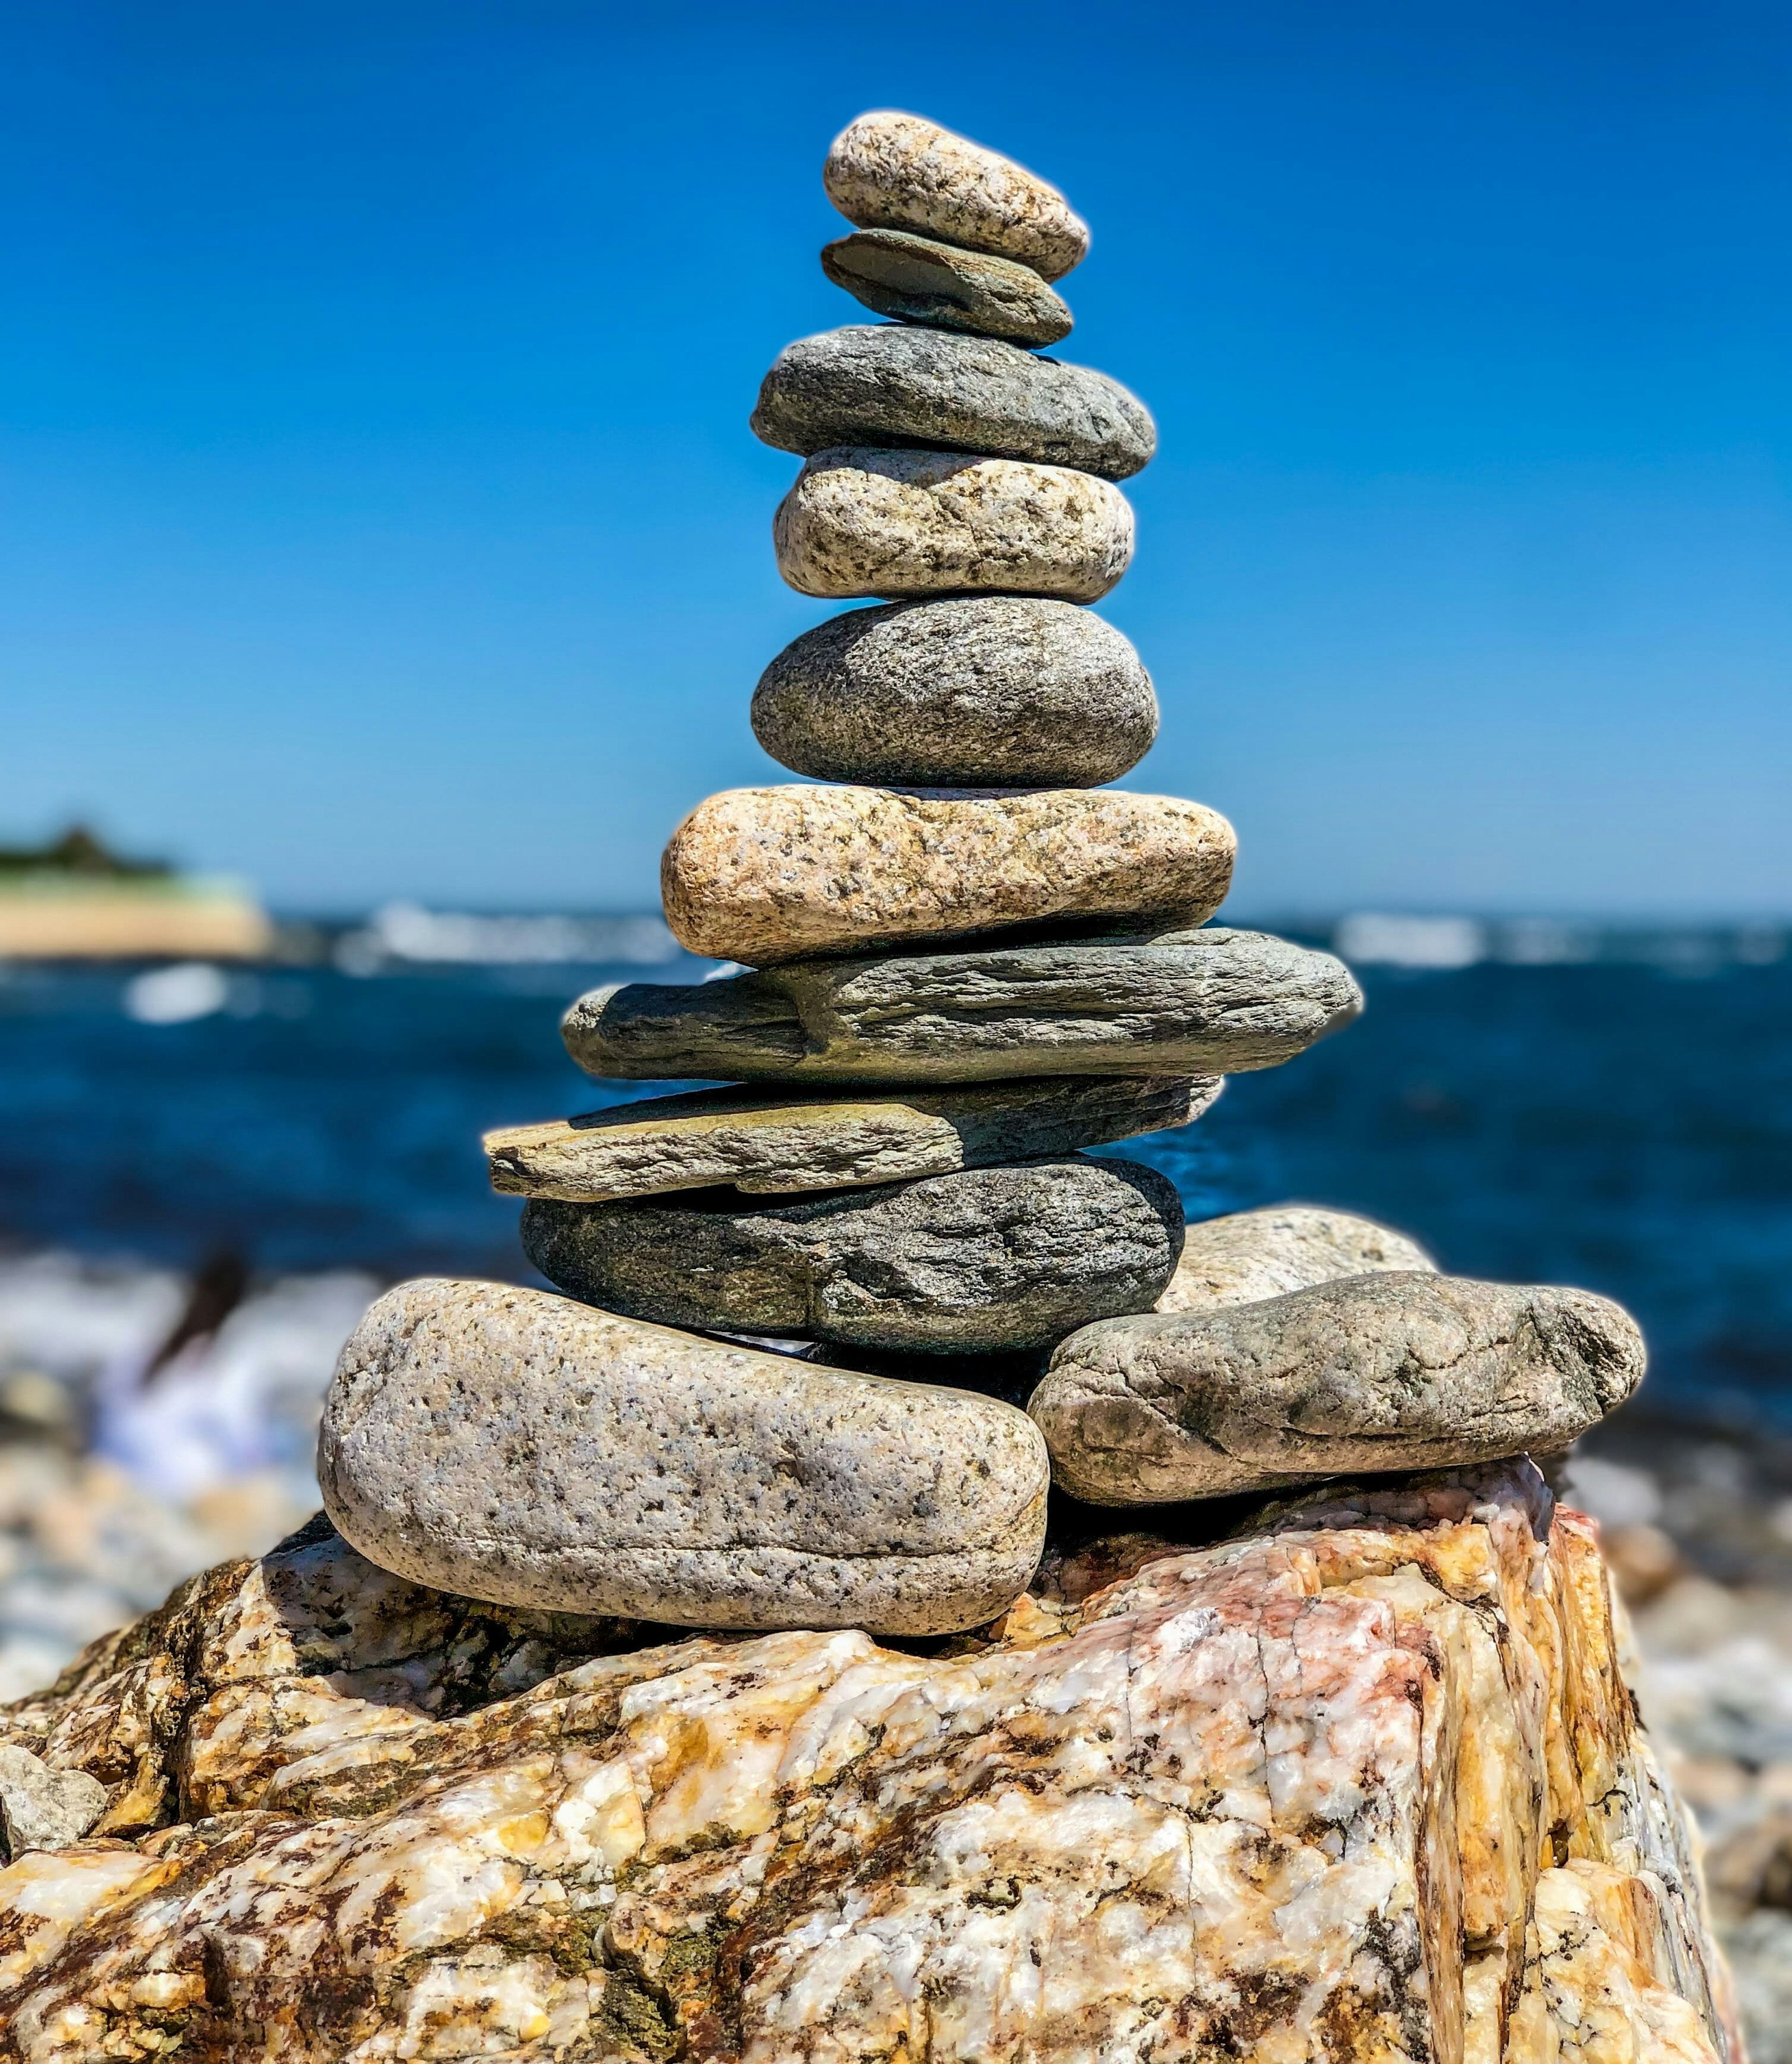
column 981, row 691
column 761, row 875
column 1207, row 1002
column 1248, row 1255
column 1389, row 1371
column 873, row 384
column 919, row 281
column 767, row 1140
column 865, row 523
column 902, row 172
column 519, row 1447
column 980, row 1261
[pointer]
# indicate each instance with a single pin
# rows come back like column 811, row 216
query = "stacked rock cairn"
column 832, row 1335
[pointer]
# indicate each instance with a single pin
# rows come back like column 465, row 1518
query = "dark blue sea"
column 1618, row 1116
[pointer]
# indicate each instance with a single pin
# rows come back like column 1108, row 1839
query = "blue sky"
column 378, row 514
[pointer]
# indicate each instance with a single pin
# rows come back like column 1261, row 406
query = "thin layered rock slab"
column 889, row 170
column 995, row 691
column 1206, row 1002
column 764, row 875
column 980, row 1260
column 1390, row 1371
column 919, row 279
column 1248, row 1255
column 894, row 523
column 765, row 1141
column 870, row 385
column 522, row 1449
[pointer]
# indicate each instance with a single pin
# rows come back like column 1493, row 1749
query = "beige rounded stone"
column 763, row 875
column 891, row 171
column 900, row 523
column 919, row 279
column 1250, row 1255
column 506, row 1445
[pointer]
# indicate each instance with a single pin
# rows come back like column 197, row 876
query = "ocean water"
column 1572, row 1111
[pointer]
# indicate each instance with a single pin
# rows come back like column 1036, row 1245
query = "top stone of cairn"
column 888, row 170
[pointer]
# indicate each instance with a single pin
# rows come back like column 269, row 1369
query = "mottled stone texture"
column 895, row 171
column 978, row 1261
column 873, row 384
column 894, row 523
column 918, row 279
column 763, row 874
column 978, row 692
column 42, row 1808
column 1247, row 1256
column 1365, row 1785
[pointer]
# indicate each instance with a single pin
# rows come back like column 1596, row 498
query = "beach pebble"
column 42, row 1808
column 892, row 170
column 1251, row 1255
column 975, row 1262
column 873, row 383
column 919, row 280
column 766, row 1140
column 760, row 874
column 986, row 691
column 1390, row 1371
column 1207, row 1002
column 864, row 523
column 511, row 1445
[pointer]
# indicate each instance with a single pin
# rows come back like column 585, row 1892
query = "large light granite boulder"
column 1365, row 1785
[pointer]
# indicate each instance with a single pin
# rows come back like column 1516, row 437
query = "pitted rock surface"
column 919, row 279
column 1206, row 1002
column 1388, row 1371
column 762, row 875
column 863, row 523
column 1364, row 1783
column 977, row 692
column 527, row 1449
column 767, row 1140
column 869, row 384
column 891, row 171
column 1251, row 1254
column 978, row 1261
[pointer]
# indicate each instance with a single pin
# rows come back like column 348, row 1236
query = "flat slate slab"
column 917, row 279
column 1207, row 1002
column 514, row 1446
column 768, row 1141
column 873, row 383
column 983, row 1261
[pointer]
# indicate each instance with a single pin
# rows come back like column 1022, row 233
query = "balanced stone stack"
column 831, row 1332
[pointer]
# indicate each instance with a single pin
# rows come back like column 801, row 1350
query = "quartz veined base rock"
column 1251, row 1255
column 1375, row 1371
column 760, row 875
column 1364, row 1785
column 919, row 279
column 524, row 1448
column 766, row 1140
column 1206, row 1003
column 994, row 692
column 897, row 171
column 864, row 523
column 982, row 1259
column 869, row 384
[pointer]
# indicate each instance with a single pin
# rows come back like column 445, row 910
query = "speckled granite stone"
column 977, row 692
column 919, row 279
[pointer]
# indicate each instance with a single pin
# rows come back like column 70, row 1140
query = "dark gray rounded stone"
column 916, row 279
column 979, row 1260
column 867, row 384
column 977, row 692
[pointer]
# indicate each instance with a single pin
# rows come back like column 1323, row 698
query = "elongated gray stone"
column 977, row 692
column 511, row 1445
column 766, row 1140
column 1251, row 1254
column 872, row 384
column 1206, row 1002
column 903, row 172
column 918, row 279
column 1390, row 1371
column 978, row 1261
column 867, row 522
